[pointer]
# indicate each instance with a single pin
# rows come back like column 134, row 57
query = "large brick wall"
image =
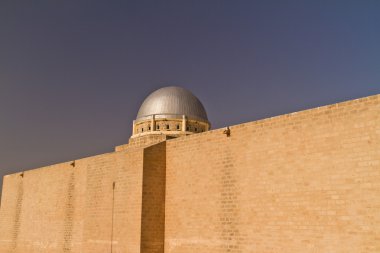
column 302, row 182
column 113, row 203
column 63, row 209
column 42, row 210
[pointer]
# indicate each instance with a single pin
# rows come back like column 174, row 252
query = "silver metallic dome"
column 172, row 100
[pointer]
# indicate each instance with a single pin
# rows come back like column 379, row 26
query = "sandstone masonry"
column 302, row 182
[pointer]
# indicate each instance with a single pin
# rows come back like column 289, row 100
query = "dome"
column 172, row 101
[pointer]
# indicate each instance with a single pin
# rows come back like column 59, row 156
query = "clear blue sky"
column 74, row 73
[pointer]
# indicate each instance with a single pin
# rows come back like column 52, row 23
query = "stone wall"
column 42, row 210
column 80, row 208
column 302, row 182
column 113, row 203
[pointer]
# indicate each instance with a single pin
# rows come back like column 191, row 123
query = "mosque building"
column 301, row 182
column 170, row 112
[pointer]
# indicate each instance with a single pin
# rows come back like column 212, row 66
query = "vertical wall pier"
column 18, row 211
column 153, row 199
column 69, row 214
column 229, row 232
column 113, row 213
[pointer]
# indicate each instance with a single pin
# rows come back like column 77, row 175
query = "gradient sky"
column 74, row 73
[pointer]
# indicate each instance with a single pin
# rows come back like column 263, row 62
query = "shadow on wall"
column 153, row 199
